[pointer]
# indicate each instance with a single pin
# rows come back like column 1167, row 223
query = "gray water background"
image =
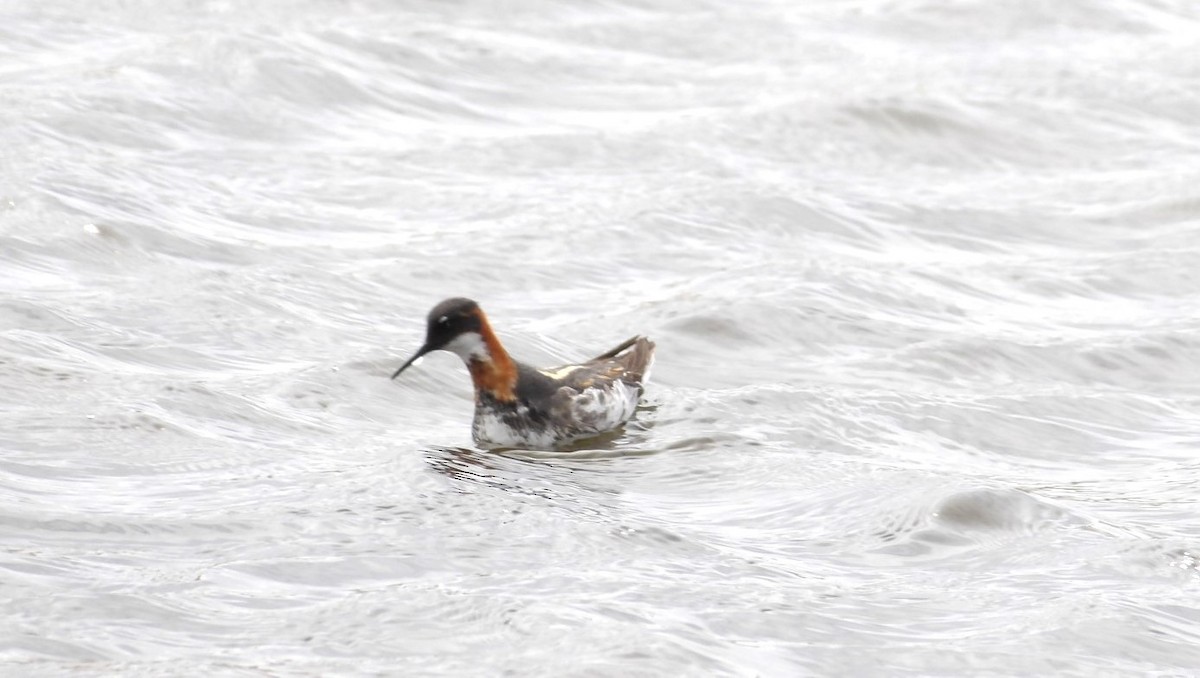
column 924, row 278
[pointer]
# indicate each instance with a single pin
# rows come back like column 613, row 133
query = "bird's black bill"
column 415, row 358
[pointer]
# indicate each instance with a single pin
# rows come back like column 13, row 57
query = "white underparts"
column 605, row 409
column 469, row 346
column 586, row 413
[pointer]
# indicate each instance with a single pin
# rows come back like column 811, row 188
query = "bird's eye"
column 443, row 320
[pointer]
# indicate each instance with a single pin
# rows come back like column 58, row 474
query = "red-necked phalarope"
column 520, row 406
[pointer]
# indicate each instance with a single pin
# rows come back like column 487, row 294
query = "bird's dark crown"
column 449, row 319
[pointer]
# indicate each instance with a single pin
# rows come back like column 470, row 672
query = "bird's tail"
column 635, row 354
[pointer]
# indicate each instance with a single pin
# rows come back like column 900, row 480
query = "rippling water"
column 924, row 277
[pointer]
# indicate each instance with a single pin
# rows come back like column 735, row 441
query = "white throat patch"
column 469, row 346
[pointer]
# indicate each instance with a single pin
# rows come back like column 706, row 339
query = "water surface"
column 922, row 275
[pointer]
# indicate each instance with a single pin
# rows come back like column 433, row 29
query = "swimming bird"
column 523, row 407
